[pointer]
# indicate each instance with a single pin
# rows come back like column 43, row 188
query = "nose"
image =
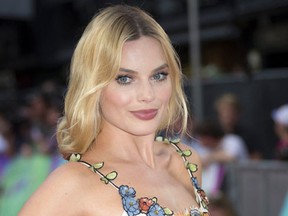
column 146, row 92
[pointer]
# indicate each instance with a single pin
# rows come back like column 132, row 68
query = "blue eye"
column 123, row 79
column 160, row 76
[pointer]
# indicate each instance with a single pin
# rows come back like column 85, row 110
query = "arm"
column 219, row 156
column 232, row 148
column 58, row 195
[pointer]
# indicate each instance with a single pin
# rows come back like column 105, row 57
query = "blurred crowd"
column 225, row 140
column 28, row 145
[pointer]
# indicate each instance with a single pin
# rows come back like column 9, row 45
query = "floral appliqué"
column 149, row 206
column 143, row 205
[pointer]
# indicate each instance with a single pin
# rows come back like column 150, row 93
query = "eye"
column 123, row 79
column 160, row 76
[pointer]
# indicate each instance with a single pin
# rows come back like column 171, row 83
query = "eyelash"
column 118, row 79
column 163, row 76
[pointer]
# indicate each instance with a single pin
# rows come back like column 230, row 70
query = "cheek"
column 165, row 94
column 114, row 99
column 167, row 98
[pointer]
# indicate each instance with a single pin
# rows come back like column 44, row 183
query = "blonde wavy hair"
column 95, row 63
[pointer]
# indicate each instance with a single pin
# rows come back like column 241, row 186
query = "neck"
column 125, row 147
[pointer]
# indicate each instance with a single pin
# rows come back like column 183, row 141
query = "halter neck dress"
column 144, row 206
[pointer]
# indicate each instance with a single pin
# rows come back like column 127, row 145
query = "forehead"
column 145, row 53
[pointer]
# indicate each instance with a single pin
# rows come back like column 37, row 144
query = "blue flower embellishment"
column 135, row 206
column 130, row 204
column 126, row 191
column 156, row 210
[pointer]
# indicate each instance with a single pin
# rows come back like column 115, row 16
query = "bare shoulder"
column 59, row 194
column 193, row 158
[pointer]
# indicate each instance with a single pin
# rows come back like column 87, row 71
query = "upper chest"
column 147, row 183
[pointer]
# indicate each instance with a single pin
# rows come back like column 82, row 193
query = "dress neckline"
column 134, row 206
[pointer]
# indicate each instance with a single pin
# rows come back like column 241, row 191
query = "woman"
column 125, row 86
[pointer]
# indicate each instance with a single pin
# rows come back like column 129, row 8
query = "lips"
column 145, row 114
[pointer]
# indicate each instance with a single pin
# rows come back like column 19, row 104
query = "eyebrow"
column 156, row 69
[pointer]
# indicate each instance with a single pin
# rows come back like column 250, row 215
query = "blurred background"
column 237, row 48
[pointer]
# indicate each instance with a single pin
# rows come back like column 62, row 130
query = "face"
column 228, row 116
column 136, row 100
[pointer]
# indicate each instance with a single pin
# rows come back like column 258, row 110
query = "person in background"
column 228, row 108
column 217, row 149
column 125, row 86
column 280, row 118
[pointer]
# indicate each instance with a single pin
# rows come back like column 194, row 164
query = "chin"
column 142, row 132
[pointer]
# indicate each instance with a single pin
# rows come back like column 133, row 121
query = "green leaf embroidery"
column 111, row 176
column 175, row 140
column 162, row 139
column 187, row 153
column 75, row 157
column 167, row 211
column 92, row 168
column 166, row 141
column 191, row 166
column 104, row 179
column 159, row 139
column 154, row 199
column 98, row 165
